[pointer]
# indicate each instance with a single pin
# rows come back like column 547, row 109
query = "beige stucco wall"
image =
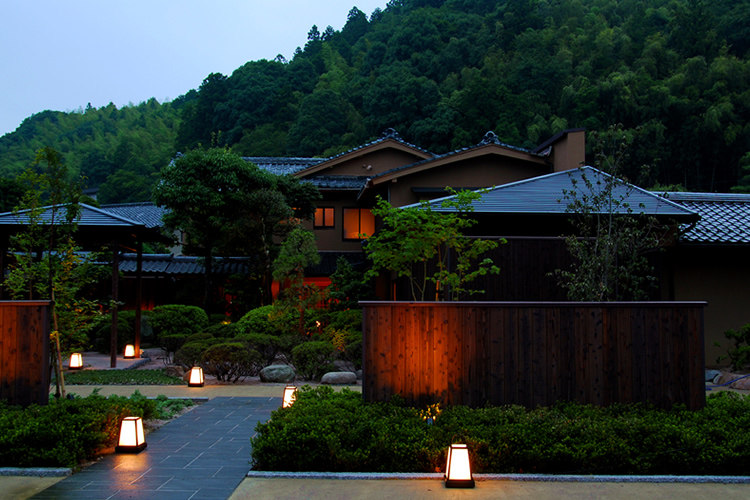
column 483, row 171
column 721, row 277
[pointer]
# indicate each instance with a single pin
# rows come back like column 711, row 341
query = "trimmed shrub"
column 313, row 359
column 65, row 432
column 222, row 330
column 268, row 346
column 258, row 320
column 177, row 319
column 230, row 361
column 191, row 352
column 568, row 438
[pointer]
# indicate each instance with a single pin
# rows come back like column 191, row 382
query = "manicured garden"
column 67, row 432
column 564, row 439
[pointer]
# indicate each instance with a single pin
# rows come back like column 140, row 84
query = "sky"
column 62, row 55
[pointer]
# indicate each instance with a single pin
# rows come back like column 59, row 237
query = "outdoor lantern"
column 458, row 470
column 290, row 396
column 196, row 377
column 76, row 361
column 129, row 351
column 132, row 439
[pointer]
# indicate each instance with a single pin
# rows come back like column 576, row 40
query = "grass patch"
column 121, row 377
column 567, row 438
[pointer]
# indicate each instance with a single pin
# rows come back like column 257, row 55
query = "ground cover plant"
column 568, row 438
column 121, row 377
column 67, row 432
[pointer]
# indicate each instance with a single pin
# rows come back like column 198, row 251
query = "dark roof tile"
column 725, row 218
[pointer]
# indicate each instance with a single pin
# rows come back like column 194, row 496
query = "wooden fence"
column 531, row 354
column 24, row 352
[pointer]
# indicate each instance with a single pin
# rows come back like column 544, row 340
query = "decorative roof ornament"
column 390, row 133
column 490, row 138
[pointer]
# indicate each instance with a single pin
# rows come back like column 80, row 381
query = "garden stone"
column 742, row 384
column 359, row 374
column 339, row 378
column 711, row 375
column 278, row 373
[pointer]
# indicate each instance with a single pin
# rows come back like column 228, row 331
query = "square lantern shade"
column 132, row 438
column 76, row 361
column 458, row 469
column 129, row 351
column 196, row 377
column 290, row 396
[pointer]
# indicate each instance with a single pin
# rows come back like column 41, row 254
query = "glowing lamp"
column 290, row 396
column 76, row 361
column 196, row 377
column 132, row 439
column 129, row 351
column 458, row 469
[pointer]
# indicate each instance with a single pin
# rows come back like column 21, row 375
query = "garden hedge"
column 565, row 439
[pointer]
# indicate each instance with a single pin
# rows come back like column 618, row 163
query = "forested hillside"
column 675, row 73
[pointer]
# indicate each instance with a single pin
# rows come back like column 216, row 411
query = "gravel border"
column 505, row 477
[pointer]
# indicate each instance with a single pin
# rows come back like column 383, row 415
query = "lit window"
column 323, row 217
column 359, row 223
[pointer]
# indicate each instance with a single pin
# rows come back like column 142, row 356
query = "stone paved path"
column 203, row 454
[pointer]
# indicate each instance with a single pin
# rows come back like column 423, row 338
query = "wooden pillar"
column 115, row 299
column 138, row 297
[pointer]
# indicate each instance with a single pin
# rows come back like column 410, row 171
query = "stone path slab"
column 203, row 454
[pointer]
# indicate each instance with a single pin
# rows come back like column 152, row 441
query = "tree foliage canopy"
column 675, row 73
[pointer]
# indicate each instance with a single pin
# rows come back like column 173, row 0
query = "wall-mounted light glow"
column 132, row 439
column 129, row 351
column 458, row 468
column 76, row 361
column 290, row 396
column 196, row 377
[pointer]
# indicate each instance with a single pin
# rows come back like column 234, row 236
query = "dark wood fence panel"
column 532, row 354
column 24, row 352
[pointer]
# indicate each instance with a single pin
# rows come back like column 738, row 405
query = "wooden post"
column 115, row 299
column 138, row 298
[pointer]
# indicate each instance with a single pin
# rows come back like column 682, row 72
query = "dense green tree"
column 442, row 73
column 226, row 206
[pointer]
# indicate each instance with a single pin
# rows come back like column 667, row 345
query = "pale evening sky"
column 61, row 55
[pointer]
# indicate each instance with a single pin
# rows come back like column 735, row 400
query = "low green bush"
column 65, row 432
column 177, row 319
column 258, row 320
column 567, row 438
column 230, row 361
column 222, row 330
column 268, row 346
column 739, row 352
column 314, row 358
column 191, row 352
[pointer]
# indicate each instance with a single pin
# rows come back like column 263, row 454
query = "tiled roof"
column 171, row 264
column 282, row 165
column 489, row 138
column 725, row 218
column 387, row 134
column 89, row 216
column 544, row 195
column 338, row 182
column 146, row 213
